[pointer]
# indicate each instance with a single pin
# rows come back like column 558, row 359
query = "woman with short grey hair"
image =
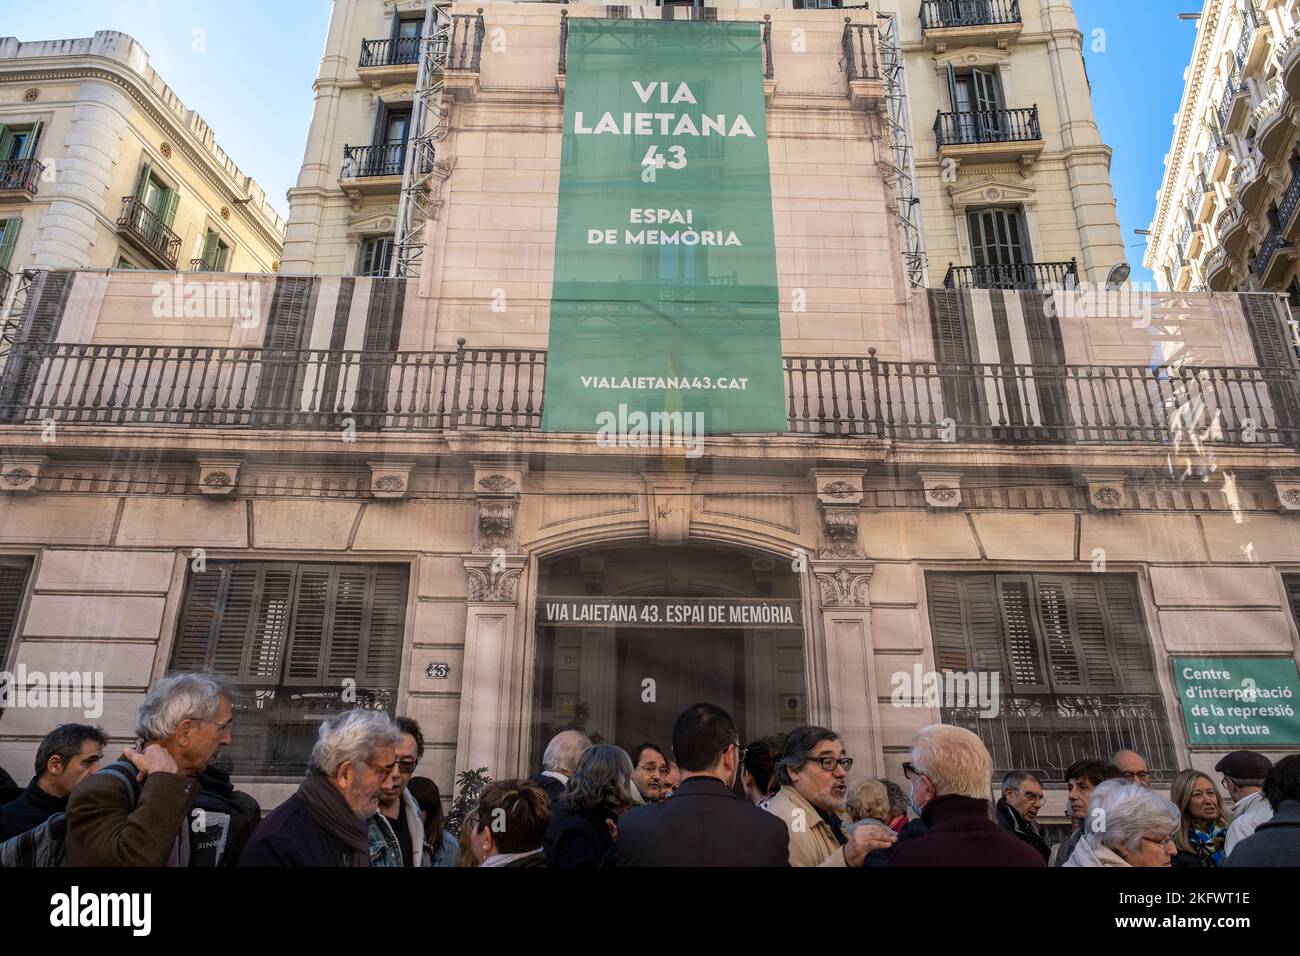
column 1126, row 825
column 583, row 821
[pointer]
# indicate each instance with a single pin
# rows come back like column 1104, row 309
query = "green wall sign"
column 1239, row 702
column 664, row 313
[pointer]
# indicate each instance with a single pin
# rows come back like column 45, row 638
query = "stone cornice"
column 1208, row 29
column 177, row 133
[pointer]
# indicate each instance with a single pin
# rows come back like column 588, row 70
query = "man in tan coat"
column 813, row 772
column 114, row 820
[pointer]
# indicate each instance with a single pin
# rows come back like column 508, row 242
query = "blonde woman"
column 1203, row 826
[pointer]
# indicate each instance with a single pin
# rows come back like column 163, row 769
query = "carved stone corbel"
column 218, row 476
column 493, row 580
column 390, row 479
column 497, row 490
column 942, row 488
column 1288, row 495
column 843, row 585
column 839, row 499
column 1106, row 492
column 21, row 472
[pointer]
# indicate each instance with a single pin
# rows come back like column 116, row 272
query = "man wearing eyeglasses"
column 1017, row 809
column 1133, row 766
column 813, row 772
column 706, row 823
column 396, row 831
column 1243, row 777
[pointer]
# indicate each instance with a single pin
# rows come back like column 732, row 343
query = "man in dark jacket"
column 8, row 789
column 705, row 823
column 1017, row 810
column 325, row 822
column 558, row 761
column 229, row 818
column 1275, row 842
column 950, row 771
column 67, row 754
column 184, row 721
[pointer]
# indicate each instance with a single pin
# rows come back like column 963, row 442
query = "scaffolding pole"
column 901, row 160
column 413, row 208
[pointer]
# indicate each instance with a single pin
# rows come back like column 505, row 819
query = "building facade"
column 341, row 490
column 1226, row 211
column 103, row 167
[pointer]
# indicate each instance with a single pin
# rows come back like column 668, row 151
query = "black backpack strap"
column 127, row 772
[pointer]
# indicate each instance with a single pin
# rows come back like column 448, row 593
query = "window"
column 19, row 142
column 124, row 263
column 999, row 251
column 1076, row 671
column 292, row 637
column 976, row 96
column 376, row 256
column 13, row 585
column 216, row 254
column 8, row 238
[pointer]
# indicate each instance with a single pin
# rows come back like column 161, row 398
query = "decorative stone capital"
column 670, row 504
column 1106, row 492
column 219, row 476
column 1288, row 495
column 497, row 489
column 493, row 580
column 390, row 479
column 843, row 584
column 839, row 499
column 942, row 488
column 20, row 473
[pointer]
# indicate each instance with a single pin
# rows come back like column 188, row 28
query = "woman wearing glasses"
column 1204, row 824
column 1126, row 825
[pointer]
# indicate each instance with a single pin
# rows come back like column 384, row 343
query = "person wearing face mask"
column 1203, row 828
column 705, row 823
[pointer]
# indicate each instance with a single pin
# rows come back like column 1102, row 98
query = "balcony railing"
column 143, row 225
column 20, row 175
column 1225, row 219
column 1290, row 200
column 1024, row 275
column 939, row 14
column 363, row 162
column 502, row 390
column 1185, row 237
column 1225, row 103
column 1251, row 20
column 465, row 41
column 399, row 52
column 1045, row 733
column 1272, row 243
column 987, row 126
column 861, row 59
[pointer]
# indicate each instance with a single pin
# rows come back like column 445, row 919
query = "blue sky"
column 253, row 82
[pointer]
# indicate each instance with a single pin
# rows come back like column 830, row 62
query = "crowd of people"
column 707, row 800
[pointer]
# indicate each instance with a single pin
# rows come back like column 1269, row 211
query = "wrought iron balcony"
column 1290, row 200
column 1224, row 221
column 502, row 390
column 1225, row 102
column 942, row 14
column 1025, row 275
column 366, row 162
column 1251, row 20
column 970, row 127
column 1272, row 243
column 465, row 41
column 150, row 234
column 403, row 51
column 20, row 175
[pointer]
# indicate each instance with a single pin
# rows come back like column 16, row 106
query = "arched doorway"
column 628, row 636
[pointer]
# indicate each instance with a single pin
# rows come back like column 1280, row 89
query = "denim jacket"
column 384, row 848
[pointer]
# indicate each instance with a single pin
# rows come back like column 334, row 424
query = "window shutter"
column 1092, row 636
column 209, row 248
column 7, row 240
column 946, row 623
column 33, row 141
column 307, row 642
column 387, row 618
column 6, row 141
column 279, row 387
column 169, row 208
column 13, row 584
column 347, row 623
column 1024, row 651
column 951, row 342
column 142, row 183
column 1064, row 667
column 1272, row 349
column 964, row 619
column 203, row 600
column 1128, row 635
column 263, row 651
column 952, row 89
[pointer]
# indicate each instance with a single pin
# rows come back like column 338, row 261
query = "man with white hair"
column 1127, row 824
column 325, row 823
column 952, row 774
column 136, row 811
column 558, row 761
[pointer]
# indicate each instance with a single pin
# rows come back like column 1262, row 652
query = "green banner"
column 664, row 303
column 1243, row 703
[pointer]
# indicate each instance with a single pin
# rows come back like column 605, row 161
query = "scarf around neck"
column 1208, row 842
column 332, row 813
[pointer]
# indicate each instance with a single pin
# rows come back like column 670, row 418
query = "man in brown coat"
column 136, row 812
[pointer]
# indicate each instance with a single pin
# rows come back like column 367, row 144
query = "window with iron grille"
column 301, row 642
column 13, row 585
column 1076, row 672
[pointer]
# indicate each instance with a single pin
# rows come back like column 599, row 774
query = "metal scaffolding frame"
column 901, row 162
column 414, row 206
